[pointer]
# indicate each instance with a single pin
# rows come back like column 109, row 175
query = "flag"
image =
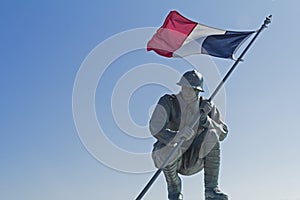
column 179, row 37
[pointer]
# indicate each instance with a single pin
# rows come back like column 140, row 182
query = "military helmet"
column 192, row 79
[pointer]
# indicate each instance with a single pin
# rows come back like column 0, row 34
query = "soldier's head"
column 191, row 83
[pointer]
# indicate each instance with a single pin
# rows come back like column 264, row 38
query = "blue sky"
column 43, row 47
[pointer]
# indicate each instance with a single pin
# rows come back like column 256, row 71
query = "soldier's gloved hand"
column 186, row 133
column 205, row 121
column 205, row 107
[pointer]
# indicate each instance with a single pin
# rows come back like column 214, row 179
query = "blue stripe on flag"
column 224, row 46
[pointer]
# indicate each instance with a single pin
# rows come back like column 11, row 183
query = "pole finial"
column 267, row 20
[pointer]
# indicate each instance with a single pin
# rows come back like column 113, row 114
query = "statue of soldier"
column 190, row 117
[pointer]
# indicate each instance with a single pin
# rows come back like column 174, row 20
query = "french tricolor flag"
column 179, row 37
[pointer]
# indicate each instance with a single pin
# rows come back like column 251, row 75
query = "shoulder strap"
column 200, row 101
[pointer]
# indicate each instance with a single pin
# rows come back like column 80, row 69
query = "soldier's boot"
column 211, row 175
column 173, row 182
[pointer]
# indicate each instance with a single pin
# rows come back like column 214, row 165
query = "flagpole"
column 266, row 22
column 155, row 176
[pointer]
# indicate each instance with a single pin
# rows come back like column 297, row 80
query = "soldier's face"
column 189, row 92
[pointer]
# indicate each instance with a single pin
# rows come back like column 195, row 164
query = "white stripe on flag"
column 202, row 31
column 191, row 46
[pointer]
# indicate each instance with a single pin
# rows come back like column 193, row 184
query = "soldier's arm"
column 215, row 121
column 218, row 123
column 160, row 119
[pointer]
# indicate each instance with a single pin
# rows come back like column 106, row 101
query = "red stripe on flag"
column 170, row 36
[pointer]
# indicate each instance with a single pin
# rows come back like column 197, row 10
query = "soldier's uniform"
column 201, row 149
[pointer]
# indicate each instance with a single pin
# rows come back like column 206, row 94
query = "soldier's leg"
column 173, row 181
column 212, row 167
column 159, row 155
